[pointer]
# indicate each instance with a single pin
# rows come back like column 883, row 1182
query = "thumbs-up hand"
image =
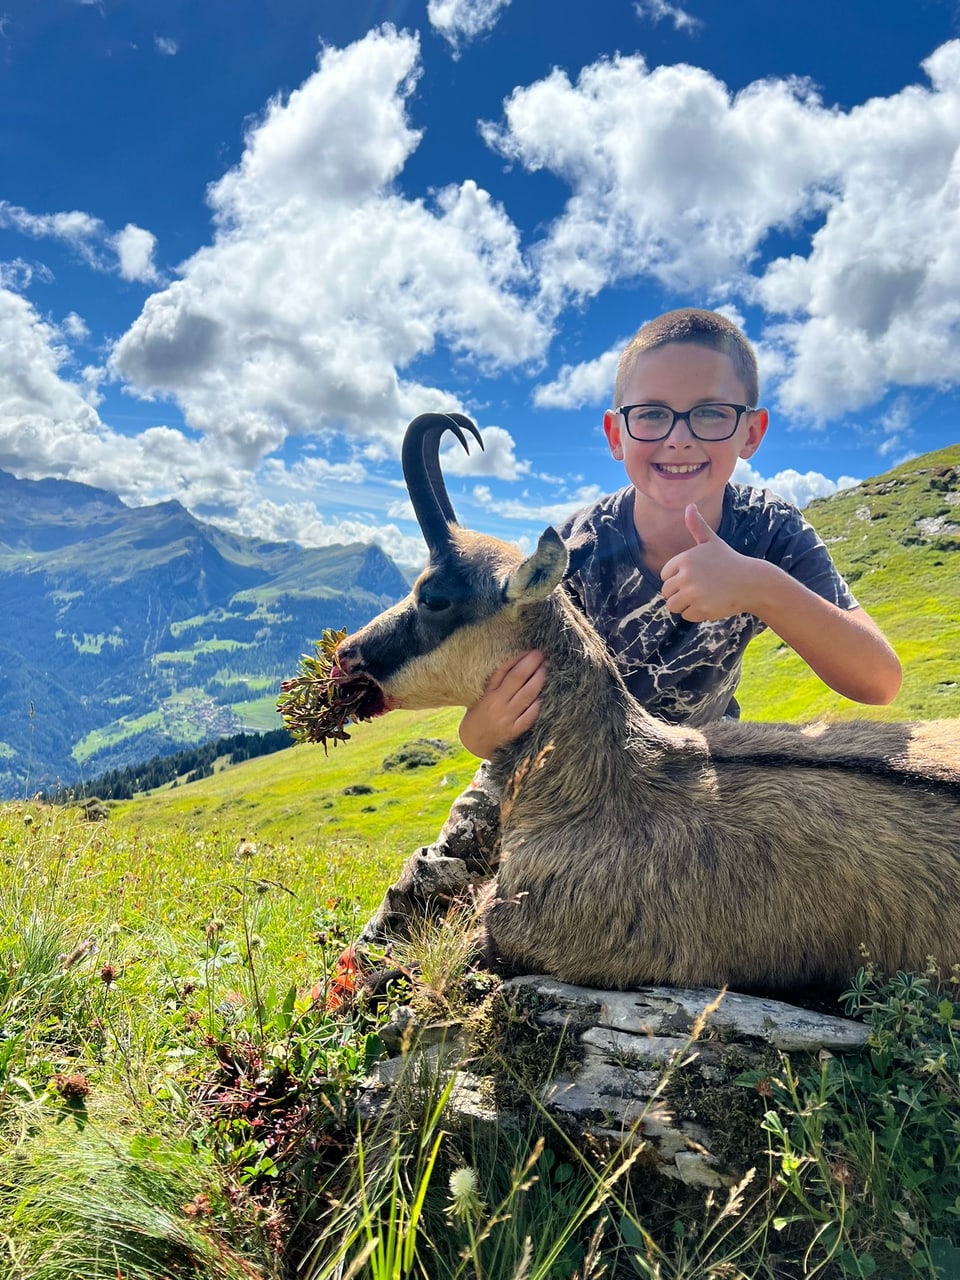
column 708, row 581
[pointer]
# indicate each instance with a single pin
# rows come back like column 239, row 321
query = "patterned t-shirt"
column 688, row 672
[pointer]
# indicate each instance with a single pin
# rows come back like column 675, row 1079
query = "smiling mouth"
column 674, row 469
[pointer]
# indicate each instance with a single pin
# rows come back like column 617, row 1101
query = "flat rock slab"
column 617, row 1048
column 671, row 1011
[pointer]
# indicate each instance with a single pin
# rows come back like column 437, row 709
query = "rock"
column 655, row 1067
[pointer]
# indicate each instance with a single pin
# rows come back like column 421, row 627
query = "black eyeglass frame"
column 720, row 404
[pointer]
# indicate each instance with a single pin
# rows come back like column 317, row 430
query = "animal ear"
column 539, row 573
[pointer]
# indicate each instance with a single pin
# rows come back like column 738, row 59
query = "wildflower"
column 246, row 848
column 72, row 1088
column 213, row 929
column 465, row 1202
column 109, row 974
column 344, row 982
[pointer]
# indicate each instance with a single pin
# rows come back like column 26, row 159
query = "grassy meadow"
column 179, row 1069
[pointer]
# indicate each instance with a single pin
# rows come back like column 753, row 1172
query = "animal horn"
column 420, row 459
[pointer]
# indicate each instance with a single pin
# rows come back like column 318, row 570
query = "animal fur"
column 763, row 856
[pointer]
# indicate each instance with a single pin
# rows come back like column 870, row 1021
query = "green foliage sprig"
column 321, row 700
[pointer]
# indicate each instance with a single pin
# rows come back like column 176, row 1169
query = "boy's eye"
column 649, row 413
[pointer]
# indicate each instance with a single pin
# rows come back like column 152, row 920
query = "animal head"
column 438, row 646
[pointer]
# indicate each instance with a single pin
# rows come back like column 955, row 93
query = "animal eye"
column 435, row 604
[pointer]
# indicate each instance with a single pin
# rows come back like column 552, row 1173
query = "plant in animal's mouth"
column 321, row 699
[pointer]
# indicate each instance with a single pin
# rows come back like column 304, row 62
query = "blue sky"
column 242, row 244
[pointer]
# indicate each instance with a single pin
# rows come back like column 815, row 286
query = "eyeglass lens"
column 707, row 421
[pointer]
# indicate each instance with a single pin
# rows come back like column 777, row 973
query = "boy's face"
column 682, row 469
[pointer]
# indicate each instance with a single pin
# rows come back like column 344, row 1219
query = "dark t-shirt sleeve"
column 758, row 523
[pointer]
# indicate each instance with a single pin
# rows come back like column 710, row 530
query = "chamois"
column 759, row 855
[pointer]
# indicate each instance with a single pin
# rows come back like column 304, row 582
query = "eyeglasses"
column 650, row 422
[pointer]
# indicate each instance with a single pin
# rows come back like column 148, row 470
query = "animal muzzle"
column 350, row 678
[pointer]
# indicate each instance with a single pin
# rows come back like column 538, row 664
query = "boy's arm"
column 509, row 706
column 844, row 647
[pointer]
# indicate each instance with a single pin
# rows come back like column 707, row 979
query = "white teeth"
column 680, row 471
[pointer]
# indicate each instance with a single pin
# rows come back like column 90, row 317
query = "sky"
column 243, row 243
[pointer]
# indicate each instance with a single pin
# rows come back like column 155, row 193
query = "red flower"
column 344, row 982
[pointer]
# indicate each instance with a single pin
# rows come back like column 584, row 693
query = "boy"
column 688, row 568
column 685, row 570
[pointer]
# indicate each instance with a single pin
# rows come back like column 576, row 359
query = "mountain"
column 131, row 631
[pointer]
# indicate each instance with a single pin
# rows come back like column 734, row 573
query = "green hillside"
column 299, row 798
column 896, row 539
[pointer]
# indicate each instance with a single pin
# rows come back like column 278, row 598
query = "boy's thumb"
column 698, row 528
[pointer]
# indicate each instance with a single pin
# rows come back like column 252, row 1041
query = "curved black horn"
column 420, row 459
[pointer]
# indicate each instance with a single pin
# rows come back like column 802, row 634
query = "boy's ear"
column 757, row 424
column 612, row 425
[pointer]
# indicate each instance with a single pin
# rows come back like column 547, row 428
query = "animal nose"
column 347, row 657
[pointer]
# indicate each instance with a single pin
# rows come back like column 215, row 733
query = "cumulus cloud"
column 128, row 252
column 795, row 486
column 322, row 284
column 165, row 45
column 135, row 248
column 301, row 522
column 577, row 385
column 460, row 21
column 676, row 179
column 497, row 458
column 524, row 510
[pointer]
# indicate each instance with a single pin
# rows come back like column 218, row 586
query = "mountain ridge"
column 131, row 631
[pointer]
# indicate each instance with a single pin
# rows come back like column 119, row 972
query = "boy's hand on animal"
column 509, row 706
column 710, row 580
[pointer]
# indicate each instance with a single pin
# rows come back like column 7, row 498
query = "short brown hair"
column 700, row 329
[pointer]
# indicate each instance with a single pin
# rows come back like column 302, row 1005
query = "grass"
column 295, row 799
column 910, row 583
column 176, row 1100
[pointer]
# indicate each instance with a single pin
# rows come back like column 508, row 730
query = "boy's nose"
column 681, row 435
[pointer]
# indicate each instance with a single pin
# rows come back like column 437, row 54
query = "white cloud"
column 80, row 231
column 674, row 178
column 165, row 45
column 577, row 385
column 497, row 458
column 657, row 10
column 75, row 327
column 322, row 284
column 795, row 486
column 302, row 523
column 18, row 274
column 459, row 21
column 523, row 510
column 43, row 417
column 128, row 252
column 135, row 248
column 671, row 175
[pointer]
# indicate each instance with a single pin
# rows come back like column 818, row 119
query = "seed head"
column 465, row 1202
